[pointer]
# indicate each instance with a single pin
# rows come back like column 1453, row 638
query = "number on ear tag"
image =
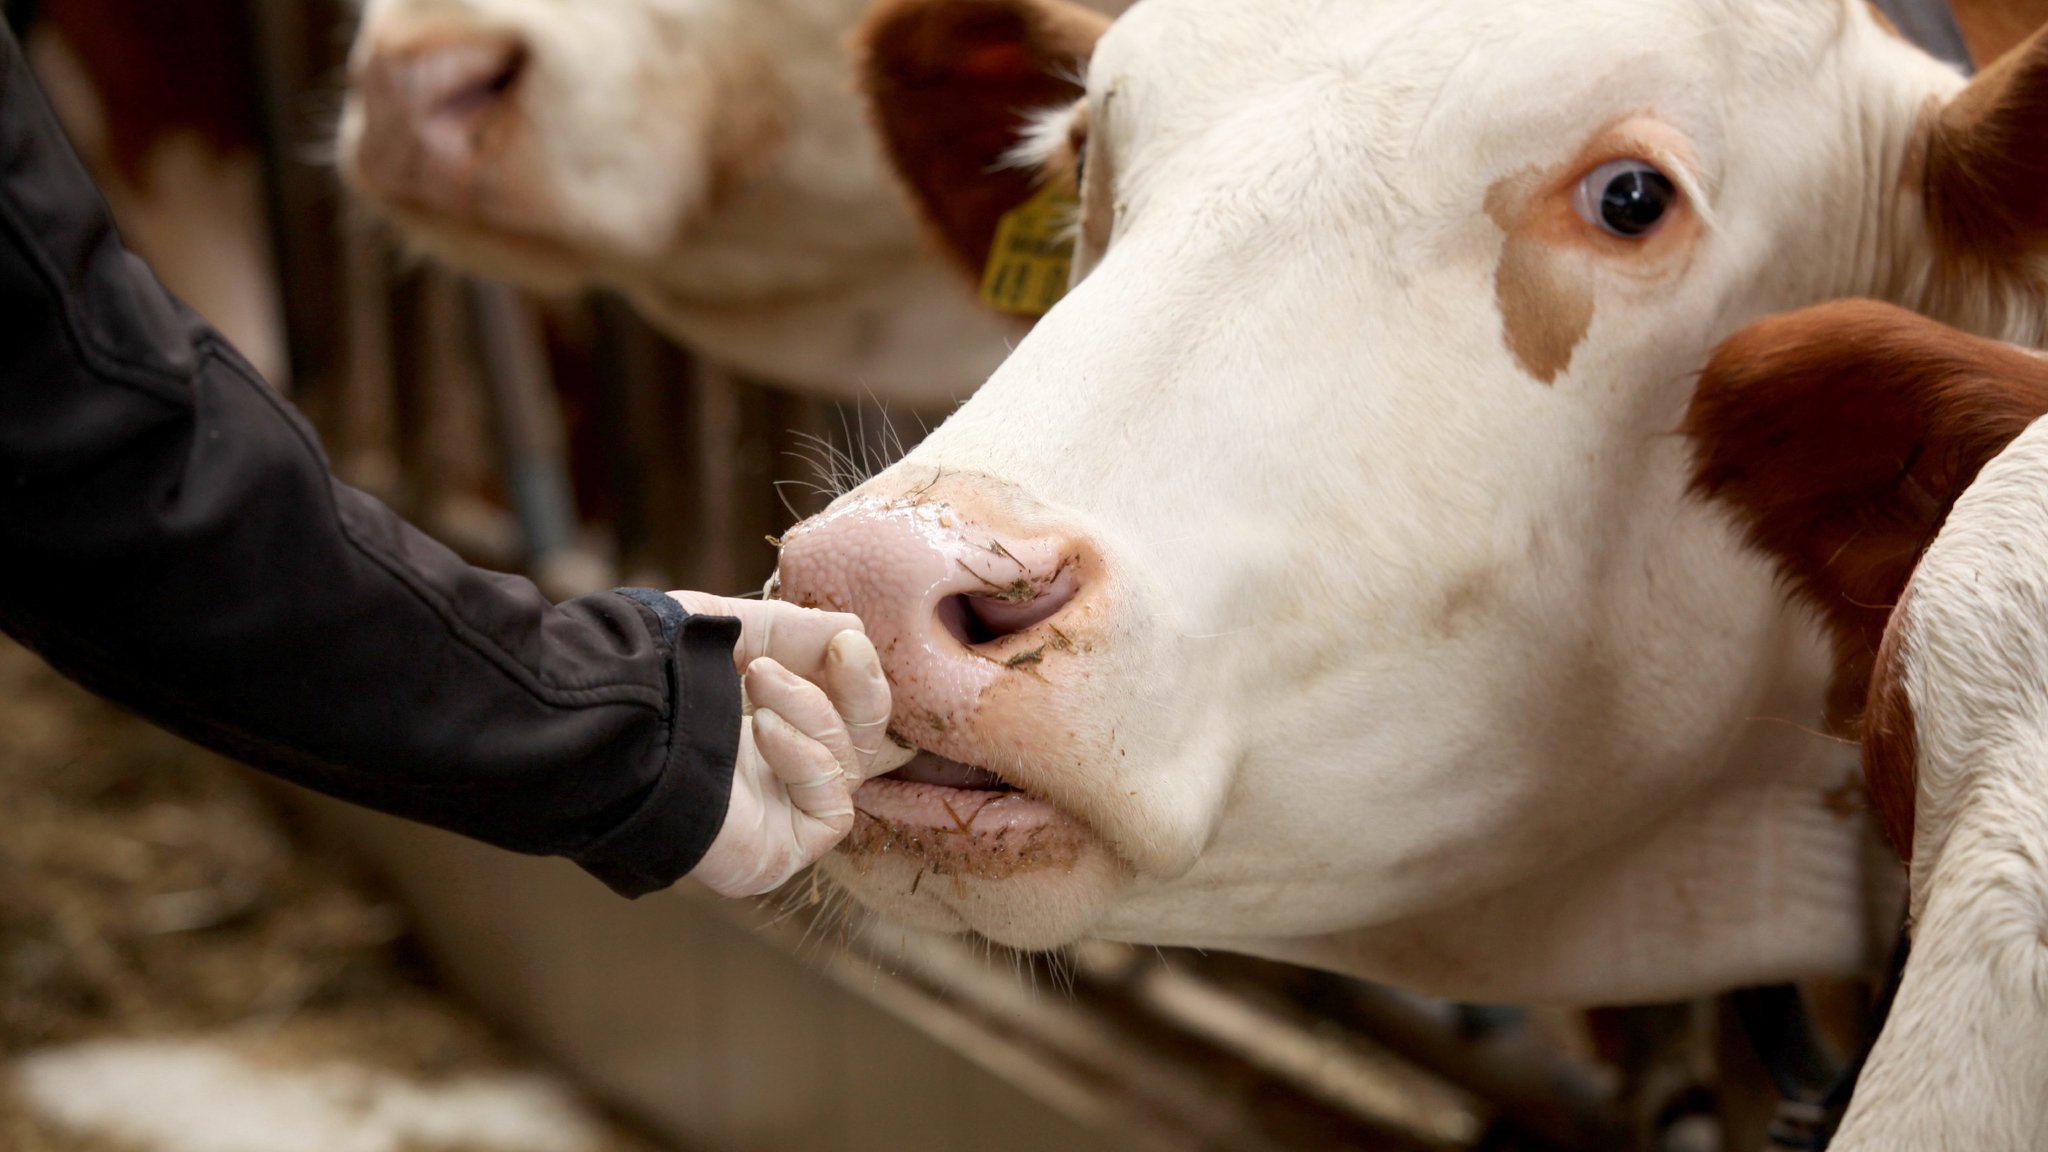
column 1033, row 254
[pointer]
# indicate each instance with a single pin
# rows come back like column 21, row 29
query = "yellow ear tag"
column 1033, row 254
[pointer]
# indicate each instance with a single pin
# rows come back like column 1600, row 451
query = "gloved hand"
column 821, row 712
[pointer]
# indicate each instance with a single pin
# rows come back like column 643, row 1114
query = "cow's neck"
column 1772, row 872
column 1971, row 1001
column 1961, row 1063
column 907, row 330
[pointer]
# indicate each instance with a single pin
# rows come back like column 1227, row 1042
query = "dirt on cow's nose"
column 953, row 596
column 930, row 574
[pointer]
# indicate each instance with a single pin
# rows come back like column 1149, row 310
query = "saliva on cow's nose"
column 931, row 581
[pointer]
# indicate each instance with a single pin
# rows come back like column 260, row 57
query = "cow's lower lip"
column 958, row 811
column 960, row 799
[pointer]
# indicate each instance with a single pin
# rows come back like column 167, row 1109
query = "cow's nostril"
column 441, row 80
column 958, row 617
column 509, row 72
column 470, row 79
column 974, row 618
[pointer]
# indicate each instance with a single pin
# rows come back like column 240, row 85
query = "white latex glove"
column 810, row 742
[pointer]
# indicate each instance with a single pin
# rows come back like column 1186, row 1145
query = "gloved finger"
column 792, row 636
column 803, row 705
column 859, row 691
column 815, row 781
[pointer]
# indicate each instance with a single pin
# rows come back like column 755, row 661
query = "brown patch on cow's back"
column 1891, row 748
column 1546, row 306
column 1984, row 172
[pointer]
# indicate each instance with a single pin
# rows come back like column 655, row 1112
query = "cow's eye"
column 1625, row 198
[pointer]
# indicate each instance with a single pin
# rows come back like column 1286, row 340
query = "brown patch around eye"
column 1545, row 295
column 1552, row 259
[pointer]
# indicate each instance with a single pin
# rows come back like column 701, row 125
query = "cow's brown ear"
column 1986, row 170
column 1840, row 436
column 1991, row 28
column 950, row 84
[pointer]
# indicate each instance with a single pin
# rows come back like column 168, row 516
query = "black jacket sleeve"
column 171, row 538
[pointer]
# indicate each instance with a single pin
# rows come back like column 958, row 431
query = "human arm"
column 170, row 536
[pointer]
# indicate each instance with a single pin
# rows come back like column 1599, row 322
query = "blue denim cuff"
column 670, row 613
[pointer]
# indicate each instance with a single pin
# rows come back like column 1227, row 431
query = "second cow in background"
column 707, row 161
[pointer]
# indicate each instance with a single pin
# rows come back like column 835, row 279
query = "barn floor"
column 178, row 973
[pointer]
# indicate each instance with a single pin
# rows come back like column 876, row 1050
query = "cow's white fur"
column 1961, row 1063
column 1423, row 669
column 808, row 270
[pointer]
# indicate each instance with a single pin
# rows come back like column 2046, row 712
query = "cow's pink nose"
column 428, row 105
column 931, row 582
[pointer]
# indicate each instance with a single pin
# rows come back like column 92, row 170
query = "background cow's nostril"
column 978, row 619
column 464, row 80
column 445, row 80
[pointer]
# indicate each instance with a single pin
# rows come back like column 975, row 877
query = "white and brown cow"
column 708, row 160
column 1321, row 571
column 1843, row 436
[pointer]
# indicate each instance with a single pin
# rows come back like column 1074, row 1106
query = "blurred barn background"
column 192, row 960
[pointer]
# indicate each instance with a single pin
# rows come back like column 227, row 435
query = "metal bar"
column 362, row 404
column 532, row 444
column 297, row 55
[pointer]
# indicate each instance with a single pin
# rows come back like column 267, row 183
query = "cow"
column 705, row 160
column 1845, row 437
column 161, row 102
column 1319, row 578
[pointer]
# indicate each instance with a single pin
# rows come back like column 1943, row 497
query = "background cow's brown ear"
column 1986, row 170
column 1840, row 436
column 949, row 84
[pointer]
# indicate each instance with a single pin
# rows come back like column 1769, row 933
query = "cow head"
column 557, row 144
column 1324, row 558
column 703, row 158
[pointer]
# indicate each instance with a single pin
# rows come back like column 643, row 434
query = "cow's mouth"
column 926, row 768
column 959, row 819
